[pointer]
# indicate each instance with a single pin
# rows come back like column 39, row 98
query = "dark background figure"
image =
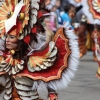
column 58, row 10
column 82, row 36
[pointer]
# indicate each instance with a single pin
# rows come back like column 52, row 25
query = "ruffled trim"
column 72, row 63
column 87, row 4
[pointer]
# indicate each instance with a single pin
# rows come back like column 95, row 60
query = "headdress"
column 17, row 16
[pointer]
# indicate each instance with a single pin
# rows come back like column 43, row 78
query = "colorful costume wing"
column 66, row 61
column 72, row 61
column 48, row 59
column 91, row 10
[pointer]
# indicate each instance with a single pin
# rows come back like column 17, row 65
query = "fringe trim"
column 88, row 14
column 72, row 63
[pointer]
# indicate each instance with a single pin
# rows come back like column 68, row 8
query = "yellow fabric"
column 88, row 42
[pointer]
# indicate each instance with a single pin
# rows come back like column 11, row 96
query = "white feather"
column 88, row 14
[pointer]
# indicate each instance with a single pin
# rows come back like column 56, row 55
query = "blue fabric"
column 65, row 17
column 60, row 21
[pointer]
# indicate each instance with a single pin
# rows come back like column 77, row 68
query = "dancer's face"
column 57, row 4
column 11, row 41
column 78, row 0
column 72, row 12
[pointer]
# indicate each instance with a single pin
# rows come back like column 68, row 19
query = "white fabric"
column 37, row 46
column 52, row 3
column 12, row 20
column 76, row 4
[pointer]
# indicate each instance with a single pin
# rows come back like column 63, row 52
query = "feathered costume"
column 91, row 9
column 50, row 61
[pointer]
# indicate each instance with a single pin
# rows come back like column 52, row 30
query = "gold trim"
column 60, row 33
column 93, row 12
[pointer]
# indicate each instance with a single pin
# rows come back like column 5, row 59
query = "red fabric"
column 40, row 14
column 41, row 53
column 34, row 30
column 19, row 26
column 93, row 48
column 52, row 96
column 23, row 9
column 41, row 1
column 27, row 39
column 53, row 70
column 99, row 40
column 99, row 63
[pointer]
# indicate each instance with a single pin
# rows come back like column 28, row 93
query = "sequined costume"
column 36, row 56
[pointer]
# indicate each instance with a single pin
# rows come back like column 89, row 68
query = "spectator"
column 69, row 13
column 58, row 10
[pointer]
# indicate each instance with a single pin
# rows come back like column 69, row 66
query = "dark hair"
column 68, row 7
column 33, row 37
column 83, row 23
column 22, row 49
column 19, row 0
column 79, row 8
column 90, row 27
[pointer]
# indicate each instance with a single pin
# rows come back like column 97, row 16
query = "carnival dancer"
column 33, row 56
column 96, row 38
column 81, row 32
column 91, row 9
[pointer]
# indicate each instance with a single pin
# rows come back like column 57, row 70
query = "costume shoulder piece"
column 32, row 50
